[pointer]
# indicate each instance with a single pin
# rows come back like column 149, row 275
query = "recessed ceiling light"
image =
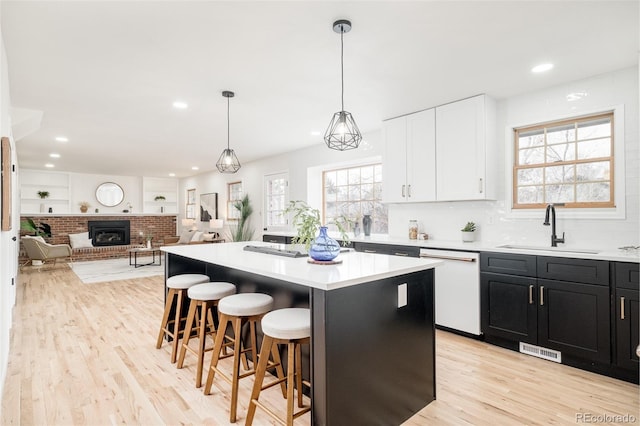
column 54, row 155
column 172, row 174
column 180, row 105
column 49, row 165
column 542, row 68
column 315, row 133
column 62, row 139
column 195, row 168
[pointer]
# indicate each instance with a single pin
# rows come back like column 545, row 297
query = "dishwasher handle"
column 461, row 259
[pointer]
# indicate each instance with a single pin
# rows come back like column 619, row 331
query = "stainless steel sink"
column 540, row 248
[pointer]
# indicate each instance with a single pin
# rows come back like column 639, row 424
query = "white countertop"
column 615, row 255
column 356, row 268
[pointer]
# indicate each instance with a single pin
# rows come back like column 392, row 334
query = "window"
column 276, row 198
column 234, row 194
column 567, row 162
column 190, row 212
column 353, row 192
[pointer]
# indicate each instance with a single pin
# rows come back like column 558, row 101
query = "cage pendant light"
column 342, row 133
column 228, row 161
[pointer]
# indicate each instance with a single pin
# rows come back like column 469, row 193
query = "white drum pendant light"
column 342, row 133
column 228, row 161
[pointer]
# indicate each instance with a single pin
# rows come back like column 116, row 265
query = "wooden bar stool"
column 291, row 327
column 206, row 296
column 239, row 309
column 178, row 286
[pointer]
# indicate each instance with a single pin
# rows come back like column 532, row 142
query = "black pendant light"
column 342, row 133
column 228, row 161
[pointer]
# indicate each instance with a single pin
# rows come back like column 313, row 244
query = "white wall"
column 442, row 221
column 251, row 174
column 83, row 188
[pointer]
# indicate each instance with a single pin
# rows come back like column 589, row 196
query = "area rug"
column 97, row 271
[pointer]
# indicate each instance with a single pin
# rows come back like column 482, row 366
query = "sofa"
column 192, row 237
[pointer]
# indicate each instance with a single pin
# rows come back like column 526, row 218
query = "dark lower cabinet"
column 279, row 239
column 508, row 310
column 529, row 303
column 573, row 318
column 395, row 250
column 627, row 328
column 627, row 315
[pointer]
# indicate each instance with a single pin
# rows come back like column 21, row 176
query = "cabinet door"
column 574, row 319
column 371, row 248
column 421, row 156
column 460, row 150
column 394, row 164
column 627, row 328
column 508, row 307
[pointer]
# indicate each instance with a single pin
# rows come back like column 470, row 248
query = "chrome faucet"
column 554, row 238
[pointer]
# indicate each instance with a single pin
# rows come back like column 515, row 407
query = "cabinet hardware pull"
column 401, row 254
column 622, row 307
column 541, row 295
column 481, row 189
column 369, row 251
column 409, row 191
column 403, row 190
column 531, row 294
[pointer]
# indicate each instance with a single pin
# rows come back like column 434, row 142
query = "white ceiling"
column 105, row 73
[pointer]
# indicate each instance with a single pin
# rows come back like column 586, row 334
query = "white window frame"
column 618, row 212
column 230, row 202
column 265, row 197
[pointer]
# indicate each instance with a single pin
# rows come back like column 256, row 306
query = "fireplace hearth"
column 109, row 232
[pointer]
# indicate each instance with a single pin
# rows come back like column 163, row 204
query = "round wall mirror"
column 109, row 194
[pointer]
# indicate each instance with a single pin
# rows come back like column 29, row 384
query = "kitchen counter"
column 356, row 268
column 365, row 313
column 564, row 250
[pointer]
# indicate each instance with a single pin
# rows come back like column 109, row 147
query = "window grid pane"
column 565, row 161
column 352, row 193
column 234, row 189
column 276, row 191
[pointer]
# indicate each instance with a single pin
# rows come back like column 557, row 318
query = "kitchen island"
column 372, row 358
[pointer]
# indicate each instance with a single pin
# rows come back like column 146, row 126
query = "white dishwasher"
column 457, row 290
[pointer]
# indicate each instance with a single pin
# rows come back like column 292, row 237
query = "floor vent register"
column 540, row 352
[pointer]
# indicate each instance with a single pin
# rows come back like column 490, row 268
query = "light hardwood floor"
column 84, row 354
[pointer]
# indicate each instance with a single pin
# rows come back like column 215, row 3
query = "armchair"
column 38, row 249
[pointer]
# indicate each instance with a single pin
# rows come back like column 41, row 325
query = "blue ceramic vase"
column 324, row 247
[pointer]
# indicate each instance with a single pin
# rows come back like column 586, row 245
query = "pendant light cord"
column 342, row 65
column 228, row 130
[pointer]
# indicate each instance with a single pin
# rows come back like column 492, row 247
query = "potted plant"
column 41, row 229
column 306, row 219
column 468, row 232
column 84, row 206
column 42, row 195
column 241, row 231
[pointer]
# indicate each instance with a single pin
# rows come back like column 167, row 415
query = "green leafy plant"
column 159, row 198
column 469, row 227
column 306, row 219
column 241, row 231
column 43, row 194
column 41, row 229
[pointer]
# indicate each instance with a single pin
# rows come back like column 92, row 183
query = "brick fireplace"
column 158, row 226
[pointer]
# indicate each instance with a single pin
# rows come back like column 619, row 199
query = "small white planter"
column 468, row 237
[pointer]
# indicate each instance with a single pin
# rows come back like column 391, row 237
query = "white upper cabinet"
column 447, row 153
column 465, row 150
column 409, row 161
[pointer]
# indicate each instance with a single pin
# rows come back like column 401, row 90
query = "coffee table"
column 135, row 252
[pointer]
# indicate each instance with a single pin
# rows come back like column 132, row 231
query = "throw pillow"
column 197, row 236
column 80, row 240
column 185, row 237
